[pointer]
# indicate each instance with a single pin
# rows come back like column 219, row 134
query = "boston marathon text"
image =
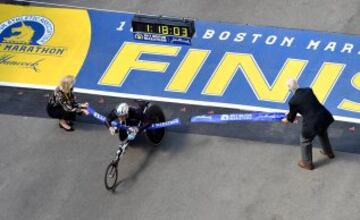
column 283, row 41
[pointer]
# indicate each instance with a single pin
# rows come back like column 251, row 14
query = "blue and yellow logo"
column 27, row 34
column 138, row 36
column 34, row 30
column 34, row 40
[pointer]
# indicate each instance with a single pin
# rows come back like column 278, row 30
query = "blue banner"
column 222, row 118
column 174, row 122
column 101, row 118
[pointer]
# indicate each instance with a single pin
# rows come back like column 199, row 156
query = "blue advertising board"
column 227, row 65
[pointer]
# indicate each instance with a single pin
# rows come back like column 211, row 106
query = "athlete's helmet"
column 122, row 109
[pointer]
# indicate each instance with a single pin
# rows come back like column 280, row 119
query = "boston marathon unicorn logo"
column 39, row 45
column 26, row 35
column 22, row 35
column 30, row 30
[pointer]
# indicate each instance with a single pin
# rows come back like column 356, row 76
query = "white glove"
column 84, row 105
column 132, row 131
column 112, row 130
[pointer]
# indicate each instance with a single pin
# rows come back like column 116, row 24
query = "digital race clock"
column 163, row 29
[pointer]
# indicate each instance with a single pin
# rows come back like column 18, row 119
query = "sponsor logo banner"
column 237, row 117
column 161, row 38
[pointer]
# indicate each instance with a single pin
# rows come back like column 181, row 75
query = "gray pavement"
column 323, row 15
column 31, row 102
column 47, row 173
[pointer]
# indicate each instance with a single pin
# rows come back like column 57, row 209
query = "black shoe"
column 66, row 129
column 330, row 155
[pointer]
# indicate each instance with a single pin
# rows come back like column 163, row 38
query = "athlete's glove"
column 112, row 130
column 132, row 131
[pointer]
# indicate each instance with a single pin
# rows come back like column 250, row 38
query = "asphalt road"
column 47, row 173
column 322, row 15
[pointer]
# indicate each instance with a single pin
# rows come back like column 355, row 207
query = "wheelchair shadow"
column 167, row 145
column 127, row 182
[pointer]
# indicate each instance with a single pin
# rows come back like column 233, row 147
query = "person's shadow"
column 322, row 162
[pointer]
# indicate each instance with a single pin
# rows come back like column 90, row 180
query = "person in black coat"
column 316, row 120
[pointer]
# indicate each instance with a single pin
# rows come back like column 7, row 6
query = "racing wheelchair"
column 154, row 135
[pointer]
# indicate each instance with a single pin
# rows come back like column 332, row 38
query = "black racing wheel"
column 111, row 175
column 155, row 115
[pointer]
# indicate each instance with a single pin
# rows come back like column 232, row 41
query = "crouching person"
column 63, row 106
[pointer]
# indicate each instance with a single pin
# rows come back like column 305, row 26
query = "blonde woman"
column 63, row 106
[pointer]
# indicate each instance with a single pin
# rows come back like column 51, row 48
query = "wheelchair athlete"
column 131, row 116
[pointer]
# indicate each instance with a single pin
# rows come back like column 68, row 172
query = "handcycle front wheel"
column 111, row 175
